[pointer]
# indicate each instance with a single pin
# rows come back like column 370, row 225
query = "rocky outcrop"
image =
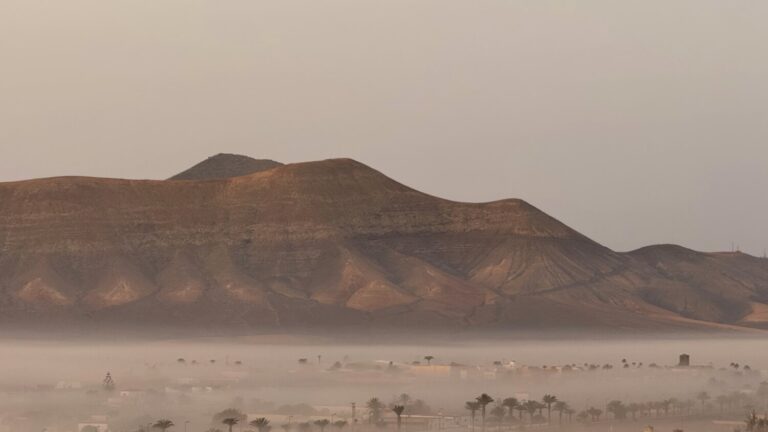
column 224, row 165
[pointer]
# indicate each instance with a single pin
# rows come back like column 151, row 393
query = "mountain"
column 224, row 165
column 723, row 287
column 332, row 244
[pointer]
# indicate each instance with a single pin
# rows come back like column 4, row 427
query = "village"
column 202, row 395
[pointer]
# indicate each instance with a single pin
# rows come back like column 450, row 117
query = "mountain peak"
column 226, row 165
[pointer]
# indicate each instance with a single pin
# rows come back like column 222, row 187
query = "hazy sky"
column 635, row 122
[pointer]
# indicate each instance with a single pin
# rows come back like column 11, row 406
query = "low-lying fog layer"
column 60, row 385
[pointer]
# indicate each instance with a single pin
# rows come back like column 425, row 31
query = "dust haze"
column 635, row 123
column 296, row 383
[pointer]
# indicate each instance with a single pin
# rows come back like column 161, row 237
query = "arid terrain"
column 245, row 244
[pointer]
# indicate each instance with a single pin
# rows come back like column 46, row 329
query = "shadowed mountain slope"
column 726, row 287
column 336, row 243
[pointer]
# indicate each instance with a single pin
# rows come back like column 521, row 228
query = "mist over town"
column 383, row 216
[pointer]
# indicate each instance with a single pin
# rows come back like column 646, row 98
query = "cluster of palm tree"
column 590, row 413
column 754, row 423
column 505, row 410
column 620, row 411
column 534, row 410
column 401, row 404
column 728, row 403
column 183, row 361
column 623, row 411
column 260, row 424
column 307, row 426
column 375, row 410
column 512, row 411
column 737, row 401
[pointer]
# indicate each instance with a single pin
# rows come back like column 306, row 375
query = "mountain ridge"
column 337, row 243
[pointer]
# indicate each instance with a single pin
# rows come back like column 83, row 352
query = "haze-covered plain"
column 296, row 383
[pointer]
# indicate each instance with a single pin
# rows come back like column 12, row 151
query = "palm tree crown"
column 549, row 399
column 322, row 423
column 483, row 400
column 230, row 421
column 472, row 406
column 163, row 424
column 375, row 406
column 261, row 423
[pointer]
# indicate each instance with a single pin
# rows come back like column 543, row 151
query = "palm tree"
column 569, row 412
column 633, row 408
column 688, row 405
column 674, row 404
column 375, row 406
column 617, row 408
column 762, row 392
column 429, row 359
column 472, row 406
column 230, row 421
column 499, row 412
column 595, row 413
column 261, row 424
column 163, row 424
column 540, row 406
column 663, row 407
column 583, row 416
column 721, row 400
column 560, row 407
column 658, row 407
column 756, row 423
column 510, row 403
column 483, row 400
column 398, row 410
column 549, row 399
column 531, row 406
column 703, row 397
column 521, row 409
column 229, row 413
column 340, row 424
column 322, row 423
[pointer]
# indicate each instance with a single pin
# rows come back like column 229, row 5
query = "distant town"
column 733, row 397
